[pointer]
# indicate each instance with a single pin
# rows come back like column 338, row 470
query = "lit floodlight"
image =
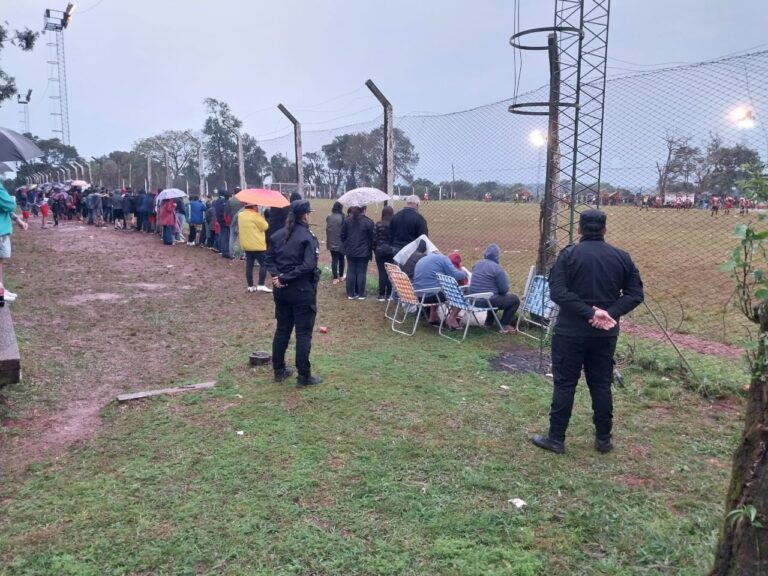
column 743, row 117
column 538, row 138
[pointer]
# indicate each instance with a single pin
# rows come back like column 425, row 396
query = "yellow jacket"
column 251, row 227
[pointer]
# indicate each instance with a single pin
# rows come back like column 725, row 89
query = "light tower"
column 24, row 113
column 57, row 21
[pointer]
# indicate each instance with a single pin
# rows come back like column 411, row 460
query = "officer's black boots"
column 547, row 443
column 603, row 446
column 304, row 381
column 283, row 374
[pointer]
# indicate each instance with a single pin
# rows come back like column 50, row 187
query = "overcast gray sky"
column 137, row 67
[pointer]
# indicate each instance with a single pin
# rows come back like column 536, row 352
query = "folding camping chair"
column 537, row 308
column 410, row 301
column 393, row 293
column 469, row 303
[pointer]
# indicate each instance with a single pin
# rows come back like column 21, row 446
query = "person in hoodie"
column 333, row 224
column 357, row 236
column 488, row 276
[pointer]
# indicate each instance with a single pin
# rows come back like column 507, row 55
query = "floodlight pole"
column 297, row 147
column 389, row 148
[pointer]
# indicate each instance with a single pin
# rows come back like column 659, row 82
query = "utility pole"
column 297, row 147
column 168, row 179
column 149, row 173
column 200, row 162
column 388, row 169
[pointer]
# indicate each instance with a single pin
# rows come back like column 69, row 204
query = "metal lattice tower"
column 578, row 47
column 24, row 112
column 56, row 21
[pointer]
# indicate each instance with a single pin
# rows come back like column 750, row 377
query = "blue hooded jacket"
column 488, row 275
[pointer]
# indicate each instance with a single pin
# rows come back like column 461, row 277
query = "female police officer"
column 292, row 262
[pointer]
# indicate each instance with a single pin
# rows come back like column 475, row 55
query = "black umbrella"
column 17, row 148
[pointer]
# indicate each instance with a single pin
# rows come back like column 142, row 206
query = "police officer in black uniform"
column 292, row 262
column 594, row 284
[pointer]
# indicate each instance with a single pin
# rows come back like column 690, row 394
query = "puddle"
column 95, row 297
column 521, row 360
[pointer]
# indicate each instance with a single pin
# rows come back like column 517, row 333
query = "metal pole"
column 149, row 173
column 241, row 161
column 90, row 173
column 130, row 174
column 168, row 179
column 548, row 217
column 297, row 146
column 388, row 168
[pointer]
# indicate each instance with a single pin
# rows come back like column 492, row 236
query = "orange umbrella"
column 262, row 197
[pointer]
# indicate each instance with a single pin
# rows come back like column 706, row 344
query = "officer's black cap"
column 300, row 207
column 592, row 221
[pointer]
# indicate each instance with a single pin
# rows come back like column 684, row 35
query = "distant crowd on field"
column 235, row 230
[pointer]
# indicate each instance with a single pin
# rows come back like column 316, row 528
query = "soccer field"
column 677, row 252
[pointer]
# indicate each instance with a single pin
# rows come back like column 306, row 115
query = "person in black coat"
column 139, row 210
column 357, row 237
column 407, row 224
column 594, row 284
column 292, row 261
column 277, row 217
column 221, row 210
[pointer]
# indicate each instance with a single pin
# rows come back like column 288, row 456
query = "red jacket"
column 167, row 213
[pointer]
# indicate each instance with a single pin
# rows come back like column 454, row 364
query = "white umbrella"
column 363, row 197
column 80, row 184
column 170, row 194
column 405, row 252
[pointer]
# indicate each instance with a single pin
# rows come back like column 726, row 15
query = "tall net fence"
column 674, row 141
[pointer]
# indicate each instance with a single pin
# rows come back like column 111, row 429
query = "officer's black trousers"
column 294, row 310
column 569, row 355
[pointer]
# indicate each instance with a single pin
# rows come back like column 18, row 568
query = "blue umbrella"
column 17, row 148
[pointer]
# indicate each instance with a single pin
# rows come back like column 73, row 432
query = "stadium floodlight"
column 743, row 117
column 537, row 138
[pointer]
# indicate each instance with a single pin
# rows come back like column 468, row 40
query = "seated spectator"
column 424, row 278
column 455, row 257
column 489, row 276
column 410, row 265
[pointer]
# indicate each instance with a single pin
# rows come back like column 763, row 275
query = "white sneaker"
column 263, row 288
column 250, row 289
column 10, row 296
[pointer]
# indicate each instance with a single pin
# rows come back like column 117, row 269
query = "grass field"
column 403, row 462
column 677, row 252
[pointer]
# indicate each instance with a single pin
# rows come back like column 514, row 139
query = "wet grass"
column 405, row 461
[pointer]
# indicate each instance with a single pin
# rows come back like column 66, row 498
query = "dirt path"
column 102, row 312
column 685, row 341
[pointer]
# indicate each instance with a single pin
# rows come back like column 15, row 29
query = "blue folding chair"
column 536, row 308
column 469, row 303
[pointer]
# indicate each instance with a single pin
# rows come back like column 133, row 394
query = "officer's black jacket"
column 593, row 273
column 294, row 259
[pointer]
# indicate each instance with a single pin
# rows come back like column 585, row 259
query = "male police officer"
column 594, row 284
column 292, row 262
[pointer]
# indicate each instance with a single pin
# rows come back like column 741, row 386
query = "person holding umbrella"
column 357, row 236
column 292, row 261
column 168, row 220
column 251, row 227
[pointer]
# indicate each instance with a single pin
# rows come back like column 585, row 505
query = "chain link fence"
column 673, row 140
